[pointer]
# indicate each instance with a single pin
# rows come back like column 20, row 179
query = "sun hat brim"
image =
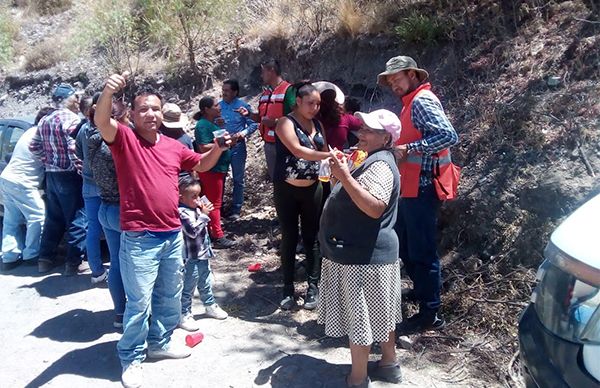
column 321, row 86
column 382, row 77
column 370, row 121
column 182, row 123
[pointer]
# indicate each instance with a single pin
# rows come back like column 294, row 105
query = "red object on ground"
column 254, row 267
column 192, row 340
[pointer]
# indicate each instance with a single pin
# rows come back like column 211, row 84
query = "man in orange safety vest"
column 427, row 178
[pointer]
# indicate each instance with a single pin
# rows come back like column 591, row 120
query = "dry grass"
column 351, row 18
column 45, row 7
column 43, row 56
column 311, row 19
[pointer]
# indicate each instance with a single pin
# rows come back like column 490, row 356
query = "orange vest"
column 445, row 175
column 271, row 105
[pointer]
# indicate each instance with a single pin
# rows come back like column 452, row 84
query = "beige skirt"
column 360, row 301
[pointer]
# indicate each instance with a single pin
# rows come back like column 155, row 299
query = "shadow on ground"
column 76, row 326
column 96, row 362
column 300, row 371
column 57, row 285
column 255, row 298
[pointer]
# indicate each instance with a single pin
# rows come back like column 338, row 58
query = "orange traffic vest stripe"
column 410, row 170
column 271, row 105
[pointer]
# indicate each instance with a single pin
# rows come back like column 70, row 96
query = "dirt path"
column 57, row 331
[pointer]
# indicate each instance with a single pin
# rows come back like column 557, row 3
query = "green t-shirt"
column 204, row 135
column 289, row 100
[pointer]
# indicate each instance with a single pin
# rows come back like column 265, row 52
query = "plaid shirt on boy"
column 53, row 144
column 195, row 234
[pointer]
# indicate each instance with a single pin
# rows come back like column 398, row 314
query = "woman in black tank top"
column 300, row 146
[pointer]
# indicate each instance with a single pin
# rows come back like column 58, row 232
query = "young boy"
column 194, row 220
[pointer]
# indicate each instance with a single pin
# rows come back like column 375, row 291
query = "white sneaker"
column 188, row 323
column 214, row 311
column 100, row 278
column 132, row 375
column 172, row 351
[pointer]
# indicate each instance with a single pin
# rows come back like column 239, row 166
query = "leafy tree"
column 187, row 27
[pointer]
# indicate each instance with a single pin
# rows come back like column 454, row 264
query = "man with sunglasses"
column 54, row 145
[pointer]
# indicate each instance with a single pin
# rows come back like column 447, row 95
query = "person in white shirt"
column 23, row 205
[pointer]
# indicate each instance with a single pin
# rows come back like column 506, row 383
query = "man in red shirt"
column 147, row 165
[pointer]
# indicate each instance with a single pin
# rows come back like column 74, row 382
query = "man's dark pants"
column 416, row 228
column 64, row 213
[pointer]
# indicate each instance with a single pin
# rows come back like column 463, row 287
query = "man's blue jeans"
column 416, row 227
column 238, row 168
column 152, row 272
column 64, row 213
column 94, row 229
column 22, row 207
column 110, row 219
column 197, row 274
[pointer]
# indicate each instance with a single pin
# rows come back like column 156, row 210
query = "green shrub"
column 111, row 29
column 422, row 29
column 8, row 31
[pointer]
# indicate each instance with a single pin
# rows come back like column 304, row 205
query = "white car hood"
column 579, row 235
column 591, row 355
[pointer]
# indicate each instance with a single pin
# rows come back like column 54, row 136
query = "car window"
column 3, row 135
column 10, row 137
column 16, row 134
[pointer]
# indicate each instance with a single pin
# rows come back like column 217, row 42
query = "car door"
column 3, row 135
column 11, row 132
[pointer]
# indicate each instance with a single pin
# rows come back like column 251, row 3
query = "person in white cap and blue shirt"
column 20, row 183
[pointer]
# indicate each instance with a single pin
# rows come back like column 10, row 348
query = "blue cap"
column 62, row 92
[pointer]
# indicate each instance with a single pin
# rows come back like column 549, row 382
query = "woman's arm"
column 286, row 133
column 366, row 202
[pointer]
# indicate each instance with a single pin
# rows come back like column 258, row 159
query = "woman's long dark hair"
column 205, row 103
column 304, row 88
column 92, row 111
column 331, row 112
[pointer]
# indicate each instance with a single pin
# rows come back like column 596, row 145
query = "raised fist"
column 116, row 82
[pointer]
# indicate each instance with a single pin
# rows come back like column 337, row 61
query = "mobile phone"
column 203, row 200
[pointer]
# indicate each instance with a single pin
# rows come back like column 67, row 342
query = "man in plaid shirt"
column 54, row 145
column 424, row 142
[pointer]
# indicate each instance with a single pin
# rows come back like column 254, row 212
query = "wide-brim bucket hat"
column 173, row 117
column 398, row 64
